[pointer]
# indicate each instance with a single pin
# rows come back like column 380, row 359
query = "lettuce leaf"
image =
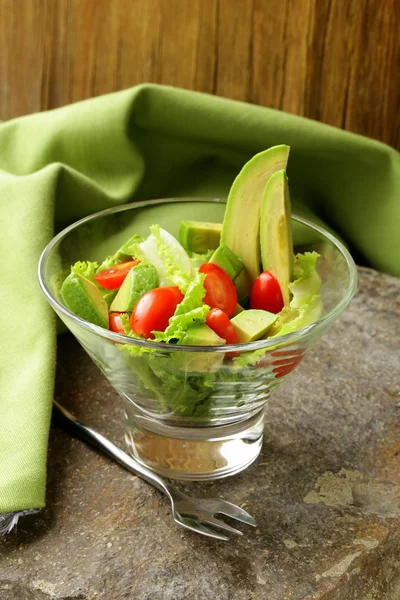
column 125, row 320
column 194, row 294
column 191, row 310
column 305, row 306
column 86, row 269
column 108, row 262
column 197, row 260
column 292, row 319
column 178, row 324
column 175, row 390
column 307, row 281
column 131, row 248
column 169, row 258
column 128, row 250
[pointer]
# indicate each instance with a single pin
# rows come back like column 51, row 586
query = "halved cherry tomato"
column 282, row 370
column 219, row 322
column 287, row 361
column 220, row 290
column 113, row 277
column 153, row 311
column 266, row 293
column 114, row 322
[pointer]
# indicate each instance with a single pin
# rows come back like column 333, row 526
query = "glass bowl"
column 191, row 412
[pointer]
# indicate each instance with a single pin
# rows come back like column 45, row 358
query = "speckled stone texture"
column 325, row 491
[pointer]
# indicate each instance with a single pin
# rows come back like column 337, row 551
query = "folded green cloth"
column 150, row 142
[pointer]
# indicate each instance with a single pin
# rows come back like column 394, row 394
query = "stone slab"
column 325, row 490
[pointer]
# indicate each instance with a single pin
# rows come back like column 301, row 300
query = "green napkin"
column 150, row 142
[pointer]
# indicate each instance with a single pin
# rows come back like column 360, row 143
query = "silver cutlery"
column 196, row 514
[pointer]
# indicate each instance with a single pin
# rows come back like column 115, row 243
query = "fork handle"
column 93, row 437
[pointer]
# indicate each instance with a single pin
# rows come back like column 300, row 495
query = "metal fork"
column 196, row 514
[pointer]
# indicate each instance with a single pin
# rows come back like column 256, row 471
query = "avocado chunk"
column 141, row 279
column 199, row 236
column 108, row 295
column 129, row 248
column 227, row 260
column 276, row 232
column 252, row 324
column 199, row 334
column 241, row 226
column 84, row 299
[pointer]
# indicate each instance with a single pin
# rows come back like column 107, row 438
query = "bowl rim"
column 268, row 343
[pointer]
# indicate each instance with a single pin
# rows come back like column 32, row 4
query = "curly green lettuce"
column 306, row 280
column 191, row 310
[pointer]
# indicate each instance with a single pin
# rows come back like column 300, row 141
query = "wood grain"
column 337, row 61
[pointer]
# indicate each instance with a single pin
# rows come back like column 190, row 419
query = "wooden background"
column 337, row 61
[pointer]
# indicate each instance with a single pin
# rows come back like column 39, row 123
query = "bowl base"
column 195, row 454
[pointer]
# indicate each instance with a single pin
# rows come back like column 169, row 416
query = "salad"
column 214, row 284
column 218, row 284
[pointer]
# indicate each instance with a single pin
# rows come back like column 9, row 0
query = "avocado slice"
column 199, row 334
column 199, row 236
column 252, row 324
column 84, row 299
column 276, row 232
column 241, row 226
column 141, row 279
column 108, row 295
column 129, row 248
column 227, row 260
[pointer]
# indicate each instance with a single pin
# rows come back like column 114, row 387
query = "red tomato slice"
column 220, row 291
column 219, row 322
column 282, row 370
column 114, row 322
column 266, row 293
column 153, row 311
column 113, row 277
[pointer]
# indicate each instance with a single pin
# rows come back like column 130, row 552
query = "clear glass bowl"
column 191, row 412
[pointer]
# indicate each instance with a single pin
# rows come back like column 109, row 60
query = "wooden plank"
column 234, row 48
column 21, row 57
column 280, row 58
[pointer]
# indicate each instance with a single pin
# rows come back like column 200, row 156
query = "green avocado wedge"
column 141, row 279
column 84, row 299
column 251, row 325
column 276, row 232
column 199, row 334
column 241, row 226
column 227, row 260
column 199, row 236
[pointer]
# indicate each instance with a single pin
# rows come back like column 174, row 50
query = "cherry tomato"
column 153, row 311
column 220, row 291
column 266, row 293
column 287, row 361
column 114, row 322
column 113, row 277
column 219, row 322
column 282, row 370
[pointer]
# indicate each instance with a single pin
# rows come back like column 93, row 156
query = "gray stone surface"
column 325, row 491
